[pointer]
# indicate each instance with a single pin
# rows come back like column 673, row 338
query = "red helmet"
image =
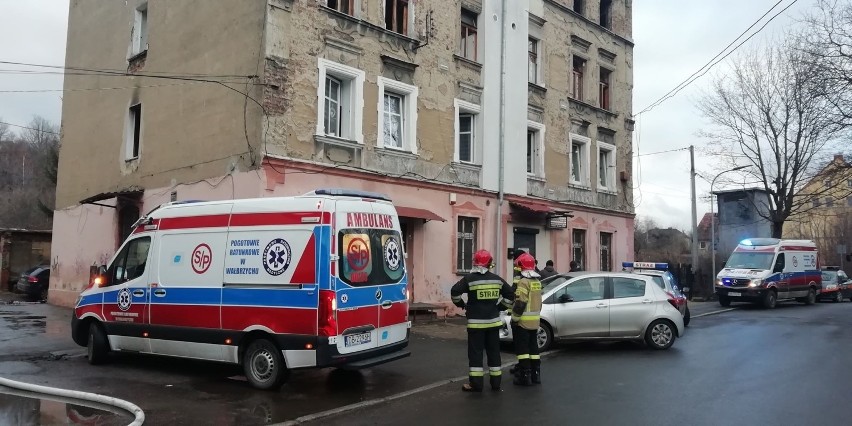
column 482, row 258
column 526, row 262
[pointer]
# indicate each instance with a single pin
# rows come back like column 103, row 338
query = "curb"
column 372, row 402
column 714, row 312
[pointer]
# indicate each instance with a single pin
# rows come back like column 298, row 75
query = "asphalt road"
column 788, row 366
column 745, row 366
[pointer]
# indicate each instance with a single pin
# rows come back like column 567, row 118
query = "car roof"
column 655, row 272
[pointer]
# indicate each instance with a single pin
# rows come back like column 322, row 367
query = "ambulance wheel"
column 811, row 299
column 97, row 348
column 264, row 366
column 770, row 299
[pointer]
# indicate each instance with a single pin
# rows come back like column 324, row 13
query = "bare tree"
column 827, row 45
column 28, row 165
column 4, row 131
column 768, row 113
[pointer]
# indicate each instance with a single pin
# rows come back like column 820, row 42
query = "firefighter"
column 487, row 295
column 525, row 322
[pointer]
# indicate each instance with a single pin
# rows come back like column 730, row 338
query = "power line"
column 710, row 64
column 662, row 152
column 28, row 128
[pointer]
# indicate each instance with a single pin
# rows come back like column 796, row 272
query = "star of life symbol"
column 393, row 256
column 276, row 257
column 124, row 300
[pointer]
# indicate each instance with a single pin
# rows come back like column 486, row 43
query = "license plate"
column 357, row 339
column 734, row 293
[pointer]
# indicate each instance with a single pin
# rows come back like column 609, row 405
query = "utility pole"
column 694, row 217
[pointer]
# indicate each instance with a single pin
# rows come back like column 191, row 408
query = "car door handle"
column 138, row 293
column 159, row 293
column 387, row 304
column 647, row 301
column 601, row 305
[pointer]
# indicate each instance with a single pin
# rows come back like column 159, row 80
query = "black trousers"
column 526, row 347
column 479, row 340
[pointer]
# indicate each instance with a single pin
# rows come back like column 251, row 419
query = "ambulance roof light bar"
column 343, row 192
column 646, row 265
column 760, row 242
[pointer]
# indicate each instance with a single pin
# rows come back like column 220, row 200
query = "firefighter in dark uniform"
column 487, row 295
column 526, row 312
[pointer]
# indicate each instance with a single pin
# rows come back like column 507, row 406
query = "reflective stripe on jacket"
column 526, row 310
column 487, row 295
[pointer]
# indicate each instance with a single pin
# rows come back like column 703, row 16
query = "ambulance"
column 271, row 284
column 768, row 270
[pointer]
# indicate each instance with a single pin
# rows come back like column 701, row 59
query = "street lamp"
column 713, row 228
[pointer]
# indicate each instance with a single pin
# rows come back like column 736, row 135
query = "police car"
column 665, row 280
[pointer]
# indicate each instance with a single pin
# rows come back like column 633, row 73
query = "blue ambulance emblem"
column 276, row 257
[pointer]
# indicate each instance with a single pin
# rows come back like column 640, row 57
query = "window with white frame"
column 140, row 30
column 606, row 166
column 133, row 137
column 397, row 115
column 535, row 149
column 466, row 126
column 466, row 243
column 580, row 160
column 468, row 40
column 533, row 55
column 340, row 105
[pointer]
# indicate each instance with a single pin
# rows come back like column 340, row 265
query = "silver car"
column 605, row 306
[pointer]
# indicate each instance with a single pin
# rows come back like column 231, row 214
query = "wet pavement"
column 36, row 347
column 28, row 409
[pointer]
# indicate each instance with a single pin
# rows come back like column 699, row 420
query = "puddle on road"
column 28, row 409
column 21, row 321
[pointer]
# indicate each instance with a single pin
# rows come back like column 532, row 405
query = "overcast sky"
column 674, row 38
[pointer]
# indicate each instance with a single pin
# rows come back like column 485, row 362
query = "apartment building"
column 491, row 124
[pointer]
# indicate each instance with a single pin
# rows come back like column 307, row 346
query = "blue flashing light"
column 646, row 265
column 745, row 242
column 342, row 192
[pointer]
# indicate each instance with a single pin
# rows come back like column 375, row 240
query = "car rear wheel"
column 97, row 349
column 43, row 294
column 544, row 337
column 686, row 316
column 660, row 335
column 770, row 299
column 724, row 301
column 811, row 299
column 264, row 366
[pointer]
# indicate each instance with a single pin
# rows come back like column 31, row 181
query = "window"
column 466, row 123
column 533, row 60
column 342, row 6
column 606, row 251
column 584, row 289
column 366, row 263
column 578, row 247
column 603, row 88
column 397, row 115
column 779, row 263
column 340, row 101
column 466, row 132
column 577, row 78
column 849, row 183
column 606, row 166
column 816, row 202
column 627, row 287
column 467, row 42
column 130, row 262
column 396, row 16
column 466, row 243
column 535, row 147
column 829, row 201
column 606, row 11
column 579, row 160
column 827, row 183
column 702, row 245
column 134, row 132
column 579, row 6
column 140, row 30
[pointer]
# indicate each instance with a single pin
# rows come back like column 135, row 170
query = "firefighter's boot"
column 523, row 377
column 536, row 375
column 495, row 382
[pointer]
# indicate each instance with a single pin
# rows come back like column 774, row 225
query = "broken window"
column 606, row 166
column 140, row 30
column 603, row 88
column 532, row 51
column 579, row 160
column 134, row 132
column 397, row 115
column 606, row 12
column 393, row 124
column 396, row 16
column 342, row 6
column 579, row 6
column 577, row 78
column 467, row 42
column 333, row 106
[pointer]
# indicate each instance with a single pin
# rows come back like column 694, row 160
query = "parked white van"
column 766, row 270
column 273, row 284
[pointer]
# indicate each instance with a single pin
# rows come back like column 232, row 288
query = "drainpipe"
column 502, row 143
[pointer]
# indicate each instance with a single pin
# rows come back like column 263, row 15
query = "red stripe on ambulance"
column 174, row 315
column 279, row 320
column 306, row 269
column 396, row 314
column 360, row 317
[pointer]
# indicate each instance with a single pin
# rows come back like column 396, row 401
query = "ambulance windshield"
column 750, row 260
column 370, row 257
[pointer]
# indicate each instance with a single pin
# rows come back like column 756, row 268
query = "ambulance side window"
column 130, row 262
column 779, row 263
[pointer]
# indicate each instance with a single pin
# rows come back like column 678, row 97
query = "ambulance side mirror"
column 102, row 270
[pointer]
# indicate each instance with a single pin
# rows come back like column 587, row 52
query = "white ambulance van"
column 273, row 284
column 766, row 270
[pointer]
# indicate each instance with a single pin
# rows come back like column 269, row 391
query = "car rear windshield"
column 829, row 276
column 370, row 257
column 750, row 260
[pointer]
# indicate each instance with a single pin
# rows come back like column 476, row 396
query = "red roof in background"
column 704, row 227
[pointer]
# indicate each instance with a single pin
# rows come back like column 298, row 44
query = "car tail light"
column 327, row 313
column 32, row 279
column 674, row 301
